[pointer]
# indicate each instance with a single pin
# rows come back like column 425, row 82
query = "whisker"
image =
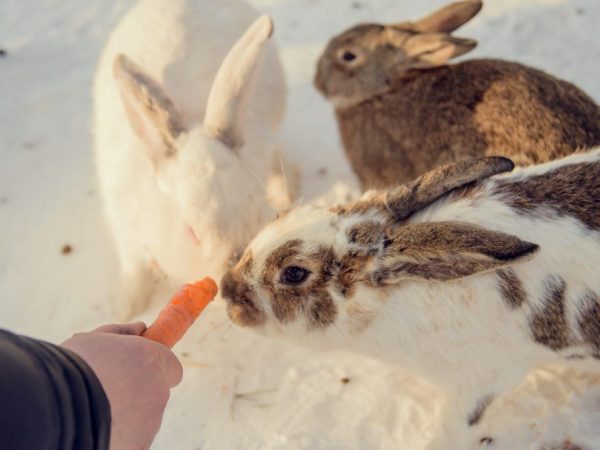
column 227, row 329
column 209, row 311
column 283, row 174
column 339, row 329
column 262, row 183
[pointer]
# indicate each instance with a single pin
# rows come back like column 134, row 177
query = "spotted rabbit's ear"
column 449, row 18
column 408, row 198
column 150, row 111
column 444, row 251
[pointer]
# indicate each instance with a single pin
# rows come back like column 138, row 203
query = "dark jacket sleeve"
column 50, row 399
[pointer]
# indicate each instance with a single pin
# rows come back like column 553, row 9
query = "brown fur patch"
column 287, row 302
column 589, row 321
column 475, row 417
column 322, row 310
column 511, row 288
column 446, row 251
column 350, row 270
column 326, row 256
column 571, row 190
column 277, row 259
column 365, row 234
column 310, row 297
column 549, row 325
column 361, row 207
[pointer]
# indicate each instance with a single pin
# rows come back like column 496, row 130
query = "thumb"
column 170, row 364
column 135, row 328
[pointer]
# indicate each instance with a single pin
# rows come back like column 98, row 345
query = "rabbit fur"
column 402, row 110
column 186, row 172
column 468, row 276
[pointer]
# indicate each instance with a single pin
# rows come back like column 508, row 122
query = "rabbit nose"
column 235, row 291
column 228, row 284
column 242, row 306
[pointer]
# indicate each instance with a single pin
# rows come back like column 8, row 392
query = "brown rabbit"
column 402, row 110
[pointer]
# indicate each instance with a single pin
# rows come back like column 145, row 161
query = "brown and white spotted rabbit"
column 467, row 276
column 402, row 110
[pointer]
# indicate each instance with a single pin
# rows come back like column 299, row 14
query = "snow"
column 239, row 390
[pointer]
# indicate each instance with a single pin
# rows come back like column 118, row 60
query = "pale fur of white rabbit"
column 468, row 276
column 187, row 174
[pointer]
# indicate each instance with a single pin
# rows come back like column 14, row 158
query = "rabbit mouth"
column 341, row 102
column 245, row 315
column 241, row 301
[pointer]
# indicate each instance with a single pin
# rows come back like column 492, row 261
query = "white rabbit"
column 183, row 167
column 468, row 279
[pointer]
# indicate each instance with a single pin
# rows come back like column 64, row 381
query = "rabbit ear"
column 151, row 113
column 435, row 49
column 449, row 18
column 405, row 199
column 444, row 251
column 233, row 83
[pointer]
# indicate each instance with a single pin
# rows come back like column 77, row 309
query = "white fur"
column 461, row 335
column 184, row 219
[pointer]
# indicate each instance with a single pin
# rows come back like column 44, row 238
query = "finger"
column 135, row 328
column 171, row 366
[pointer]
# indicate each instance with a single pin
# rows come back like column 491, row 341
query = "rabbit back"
column 463, row 111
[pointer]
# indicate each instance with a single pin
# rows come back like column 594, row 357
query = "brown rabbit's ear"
column 436, row 49
column 444, row 251
column 151, row 113
column 449, row 18
column 406, row 199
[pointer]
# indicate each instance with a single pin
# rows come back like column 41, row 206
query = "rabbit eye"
column 294, row 275
column 348, row 56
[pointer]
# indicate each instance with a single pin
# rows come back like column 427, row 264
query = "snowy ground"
column 57, row 266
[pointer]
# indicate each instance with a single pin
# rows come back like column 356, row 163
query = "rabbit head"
column 365, row 60
column 322, row 276
column 196, row 166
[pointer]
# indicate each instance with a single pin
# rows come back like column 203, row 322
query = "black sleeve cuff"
column 49, row 398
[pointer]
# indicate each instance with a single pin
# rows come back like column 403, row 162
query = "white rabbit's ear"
column 151, row 113
column 435, row 49
column 444, row 251
column 233, row 83
column 449, row 18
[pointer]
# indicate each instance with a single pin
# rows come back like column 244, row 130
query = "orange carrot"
column 181, row 312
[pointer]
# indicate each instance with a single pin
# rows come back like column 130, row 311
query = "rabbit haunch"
column 466, row 277
column 403, row 110
column 186, row 137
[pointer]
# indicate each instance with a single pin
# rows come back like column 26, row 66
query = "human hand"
column 136, row 374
